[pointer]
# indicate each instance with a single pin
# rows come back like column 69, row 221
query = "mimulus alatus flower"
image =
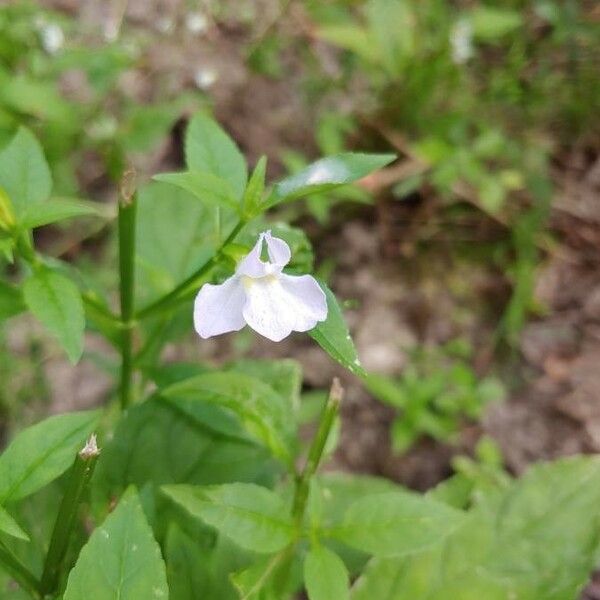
column 260, row 295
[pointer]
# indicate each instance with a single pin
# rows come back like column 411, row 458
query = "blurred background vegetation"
column 469, row 266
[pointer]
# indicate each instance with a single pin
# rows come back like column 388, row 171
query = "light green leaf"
column 10, row 526
column 353, row 38
column 24, row 172
column 208, row 188
column 41, row 453
column 490, row 23
column 209, row 149
column 56, row 210
column 165, row 214
column 396, row 523
column 121, row 560
column 328, row 173
column 252, row 200
column 11, row 301
column 56, row 302
column 254, row 517
column 325, row 575
column 333, row 336
column 264, row 413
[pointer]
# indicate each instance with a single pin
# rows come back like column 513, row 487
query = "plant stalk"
column 315, row 453
column 175, row 296
column 127, row 219
column 81, row 473
column 20, row 573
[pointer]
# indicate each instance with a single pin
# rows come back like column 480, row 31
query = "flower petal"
column 279, row 256
column 251, row 265
column 218, row 308
column 309, row 296
column 278, row 305
column 279, row 252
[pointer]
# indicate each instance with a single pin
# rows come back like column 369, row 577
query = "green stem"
column 315, row 453
column 127, row 213
column 178, row 294
column 80, row 475
column 19, row 572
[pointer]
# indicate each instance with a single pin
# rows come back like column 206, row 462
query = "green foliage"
column 252, row 516
column 121, row 560
column 56, row 302
column 208, row 149
column 327, row 174
column 41, row 453
column 333, row 336
column 527, row 542
column 395, row 523
column 231, row 503
column 24, row 173
column 9, row 526
column 435, row 392
column 325, row 575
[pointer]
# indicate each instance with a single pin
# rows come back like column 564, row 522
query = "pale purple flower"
column 260, row 295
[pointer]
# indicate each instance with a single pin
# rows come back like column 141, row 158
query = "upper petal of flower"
column 279, row 256
column 278, row 305
column 218, row 308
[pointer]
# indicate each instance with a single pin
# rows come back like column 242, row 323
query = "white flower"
column 196, row 22
column 260, row 295
column 461, row 42
column 52, row 37
column 204, row 78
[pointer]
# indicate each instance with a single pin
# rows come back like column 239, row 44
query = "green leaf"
column 10, row 526
column 56, row 210
column 263, row 412
column 325, row 575
column 254, row 517
column 328, row 173
column 56, row 302
column 41, row 453
column 208, row 188
column 333, row 336
column 209, row 149
column 396, row 523
column 167, row 213
column 491, row 23
column 252, row 200
column 11, row 301
column 159, row 442
column 121, row 560
column 24, row 172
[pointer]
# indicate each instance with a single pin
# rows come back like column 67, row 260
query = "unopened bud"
column 90, row 450
column 128, row 186
column 336, row 393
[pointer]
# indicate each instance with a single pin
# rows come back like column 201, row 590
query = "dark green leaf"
column 162, row 441
column 264, row 413
column 254, row 517
column 333, row 336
